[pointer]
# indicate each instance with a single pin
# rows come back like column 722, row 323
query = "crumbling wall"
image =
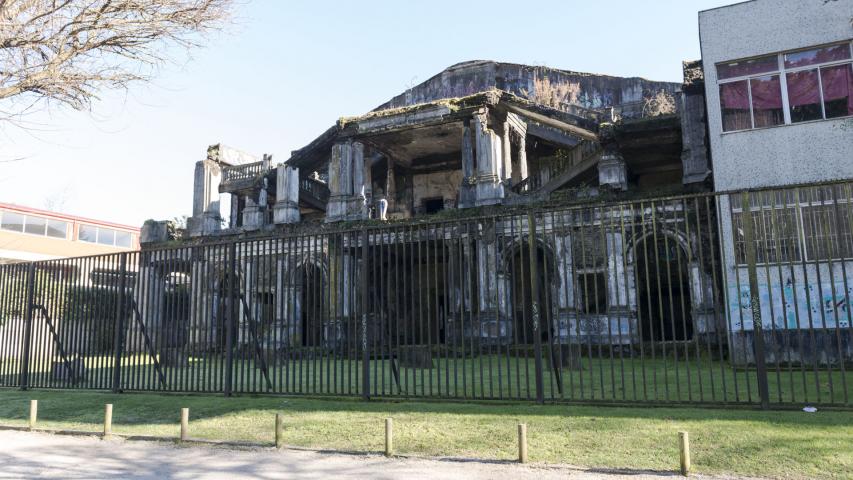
column 557, row 88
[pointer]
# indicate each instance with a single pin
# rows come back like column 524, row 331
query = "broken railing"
column 238, row 173
column 560, row 164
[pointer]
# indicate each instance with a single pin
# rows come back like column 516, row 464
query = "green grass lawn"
column 786, row 444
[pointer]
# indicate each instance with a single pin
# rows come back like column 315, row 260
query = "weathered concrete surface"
column 548, row 86
column 34, row 455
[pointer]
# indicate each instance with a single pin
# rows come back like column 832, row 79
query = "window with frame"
column 809, row 224
column 789, row 87
column 104, row 236
column 33, row 225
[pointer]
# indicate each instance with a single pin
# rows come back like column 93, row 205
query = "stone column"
column 286, row 208
column 489, row 154
column 235, row 210
column 200, row 317
column 391, row 187
column 340, row 182
column 206, row 216
column 253, row 215
column 467, row 192
column 368, row 181
column 506, row 150
column 522, row 156
column 493, row 328
column 356, row 208
column 566, row 318
column 150, row 297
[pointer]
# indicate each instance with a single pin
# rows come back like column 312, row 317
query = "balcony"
column 236, row 178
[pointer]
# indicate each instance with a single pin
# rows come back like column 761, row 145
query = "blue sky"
column 288, row 69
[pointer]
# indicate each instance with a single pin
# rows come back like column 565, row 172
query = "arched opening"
column 407, row 292
column 663, row 290
column 520, row 265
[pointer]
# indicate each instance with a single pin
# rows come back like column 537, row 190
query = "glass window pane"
column 743, row 68
column 106, row 236
column 35, row 225
column 833, row 53
column 804, row 96
column 734, row 104
column 57, row 229
column 87, row 233
column 12, row 221
column 766, row 101
column 123, row 239
column 837, row 90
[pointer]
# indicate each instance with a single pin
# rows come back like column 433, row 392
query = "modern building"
column 29, row 234
column 779, row 89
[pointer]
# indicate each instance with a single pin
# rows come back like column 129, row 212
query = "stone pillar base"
column 489, row 192
column 253, row 218
column 285, row 212
column 612, row 172
column 204, row 224
column 336, row 209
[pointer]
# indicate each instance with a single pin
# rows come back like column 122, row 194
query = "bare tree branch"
column 69, row 50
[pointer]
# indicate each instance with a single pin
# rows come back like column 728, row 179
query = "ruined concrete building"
column 480, row 134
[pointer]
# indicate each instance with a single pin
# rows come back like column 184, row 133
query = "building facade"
column 779, row 88
column 29, row 234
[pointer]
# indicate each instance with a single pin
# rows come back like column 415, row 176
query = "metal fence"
column 736, row 298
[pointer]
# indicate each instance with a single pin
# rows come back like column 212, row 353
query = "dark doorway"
column 663, row 289
column 433, row 205
column 407, row 288
column 311, row 306
column 522, row 293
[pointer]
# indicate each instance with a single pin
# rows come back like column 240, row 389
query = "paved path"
column 38, row 455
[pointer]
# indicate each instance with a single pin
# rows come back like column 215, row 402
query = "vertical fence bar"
column 755, row 302
column 118, row 342
column 28, row 326
column 535, row 307
column 365, row 355
column 230, row 317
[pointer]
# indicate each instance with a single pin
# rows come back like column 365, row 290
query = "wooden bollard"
column 389, row 437
column 522, row 443
column 34, row 410
column 108, row 420
column 279, row 431
column 185, row 424
column 684, row 444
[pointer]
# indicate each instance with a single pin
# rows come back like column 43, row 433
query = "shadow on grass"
column 163, row 409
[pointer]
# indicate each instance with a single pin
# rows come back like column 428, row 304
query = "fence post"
column 279, row 431
column 108, row 420
column 754, row 301
column 119, row 334
column 365, row 357
column 28, row 327
column 230, row 317
column 535, row 314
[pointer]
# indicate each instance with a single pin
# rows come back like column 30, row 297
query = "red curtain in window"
column 838, row 84
column 767, row 101
column 734, row 105
column 734, row 95
column 803, row 88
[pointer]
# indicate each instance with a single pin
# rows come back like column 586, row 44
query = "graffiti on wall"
column 824, row 305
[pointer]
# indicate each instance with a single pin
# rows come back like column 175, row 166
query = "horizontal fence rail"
column 735, row 298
